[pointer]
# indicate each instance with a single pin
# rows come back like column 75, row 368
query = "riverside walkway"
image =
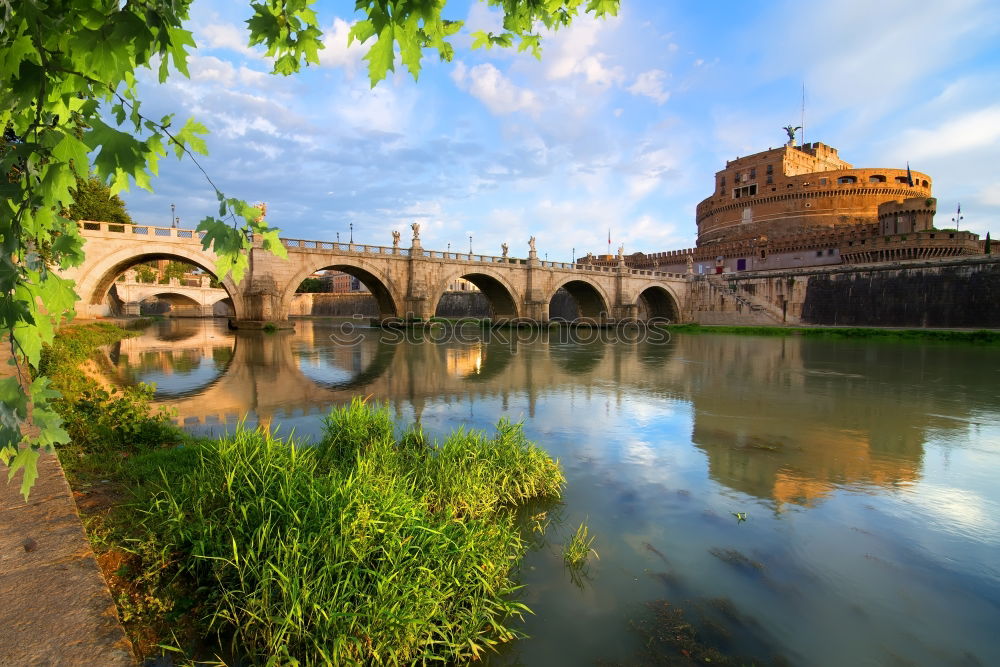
column 55, row 607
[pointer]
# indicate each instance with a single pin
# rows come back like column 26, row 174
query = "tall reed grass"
column 365, row 548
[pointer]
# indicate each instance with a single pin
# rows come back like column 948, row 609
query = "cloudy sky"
column 621, row 124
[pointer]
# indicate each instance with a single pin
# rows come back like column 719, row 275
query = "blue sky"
column 622, row 123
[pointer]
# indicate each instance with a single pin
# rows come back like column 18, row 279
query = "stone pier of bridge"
column 406, row 282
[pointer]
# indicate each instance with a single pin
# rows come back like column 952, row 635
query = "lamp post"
column 173, row 216
column 573, row 261
column 470, row 243
column 449, row 247
column 338, row 237
column 958, row 216
column 352, row 232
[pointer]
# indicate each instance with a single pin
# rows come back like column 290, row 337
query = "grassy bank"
column 367, row 547
column 982, row 336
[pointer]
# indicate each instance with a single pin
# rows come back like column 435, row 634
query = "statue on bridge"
column 531, row 244
column 621, row 252
column 416, row 231
column 504, row 248
column 395, row 238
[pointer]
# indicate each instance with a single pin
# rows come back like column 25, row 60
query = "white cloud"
column 572, row 51
column 212, row 69
column 377, row 109
column 337, row 53
column 650, row 84
column 846, row 64
column 487, row 84
column 990, row 195
column 650, row 167
column 227, row 36
column 969, row 131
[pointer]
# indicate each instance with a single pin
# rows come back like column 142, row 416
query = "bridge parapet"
column 149, row 231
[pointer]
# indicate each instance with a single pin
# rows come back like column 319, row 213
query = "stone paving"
column 55, row 607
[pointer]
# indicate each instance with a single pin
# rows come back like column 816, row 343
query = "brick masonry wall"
column 949, row 296
column 960, row 293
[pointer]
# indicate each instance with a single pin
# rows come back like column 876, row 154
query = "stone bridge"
column 184, row 298
column 407, row 283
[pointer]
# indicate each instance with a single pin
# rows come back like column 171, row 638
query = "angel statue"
column 531, row 244
column 395, row 238
column 416, row 231
column 504, row 249
column 791, row 133
column 621, row 251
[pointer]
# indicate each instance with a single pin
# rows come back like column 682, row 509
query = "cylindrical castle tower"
column 796, row 189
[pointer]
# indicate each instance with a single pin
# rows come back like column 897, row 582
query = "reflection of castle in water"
column 783, row 419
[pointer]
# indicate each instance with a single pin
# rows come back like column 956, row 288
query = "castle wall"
column 791, row 189
column 961, row 292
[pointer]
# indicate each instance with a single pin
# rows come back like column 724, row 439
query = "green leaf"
column 27, row 459
column 188, row 138
column 380, row 55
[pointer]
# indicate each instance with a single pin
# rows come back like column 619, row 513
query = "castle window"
column 901, row 179
column 830, row 252
column 844, row 180
column 789, row 185
column 876, row 178
column 770, row 179
column 923, row 183
column 822, row 181
column 770, row 169
column 753, row 174
column 819, row 253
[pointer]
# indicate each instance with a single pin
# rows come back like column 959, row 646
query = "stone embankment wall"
column 452, row 304
column 937, row 293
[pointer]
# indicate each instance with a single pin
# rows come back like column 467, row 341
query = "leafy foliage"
column 364, row 550
column 312, row 285
column 174, row 270
column 70, row 107
column 145, row 273
column 93, row 200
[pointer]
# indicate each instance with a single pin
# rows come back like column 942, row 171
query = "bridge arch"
column 503, row 296
column 175, row 300
column 591, row 298
column 94, row 286
column 657, row 302
column 387, row 294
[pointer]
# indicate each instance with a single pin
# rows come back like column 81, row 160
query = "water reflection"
column 867, row 471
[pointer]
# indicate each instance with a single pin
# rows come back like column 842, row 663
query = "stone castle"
column 803, row 206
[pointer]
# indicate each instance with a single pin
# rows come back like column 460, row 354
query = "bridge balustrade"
column 142, row 230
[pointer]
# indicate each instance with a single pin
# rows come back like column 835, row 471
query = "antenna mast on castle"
column 802, row 122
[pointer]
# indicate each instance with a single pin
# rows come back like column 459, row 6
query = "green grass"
column 578, row 549
column 982, row 336
column 364, row 548
column 100, row 421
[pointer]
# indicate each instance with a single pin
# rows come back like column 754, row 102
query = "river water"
column 867, row 473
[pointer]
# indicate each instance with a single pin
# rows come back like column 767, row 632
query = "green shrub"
column 362, row 549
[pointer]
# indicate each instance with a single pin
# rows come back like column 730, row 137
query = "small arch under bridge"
column 407, row 283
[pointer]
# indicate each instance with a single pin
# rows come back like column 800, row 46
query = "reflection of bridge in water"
column 771, row 416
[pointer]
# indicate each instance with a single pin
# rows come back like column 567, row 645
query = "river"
column 799, row 501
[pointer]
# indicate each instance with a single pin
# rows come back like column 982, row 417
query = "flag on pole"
column 909, row 176
column 609, row 240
